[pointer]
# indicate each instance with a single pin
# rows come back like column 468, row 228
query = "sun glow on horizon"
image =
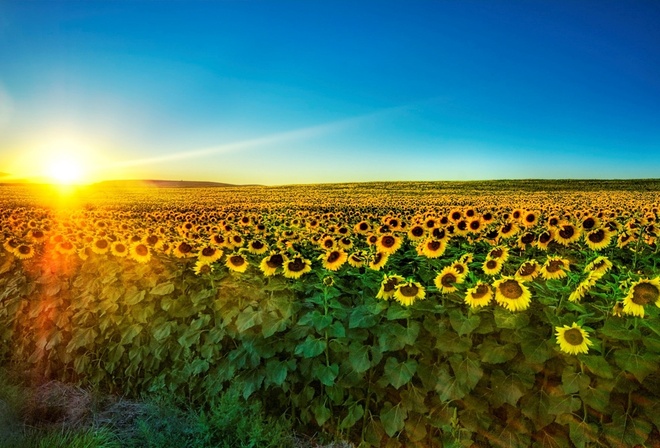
column 66, row 170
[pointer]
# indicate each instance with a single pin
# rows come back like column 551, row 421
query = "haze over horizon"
column 293, row 92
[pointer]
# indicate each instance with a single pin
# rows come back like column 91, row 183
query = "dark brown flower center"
column 390, row 284
column 456, row 216
column 573, row 336
column 141, row 250
column 491, row 264
column 257, row 245
column 101, row 244
column 459, row 268
column 333, row 256
column 433, row 245
column 554, row 266
column 511, row 289
column 462, row 225
column 67, row 245
column 480, row 292
column 120, row 248
column 644, row 293
column 24, row 249
column 496, row 253
column 567, row 232
column 588, row 223
column 528, row 238
column 545, row 237
column 275, row 261
column 296, row 265
column 527, row 269
column 237, row 260
column 448, row 280
column 597, row 236
column 328, row 243
column 152, row 239
column 387, row 241
column 185, row 248
column 417, row 231
column 409, row 290
column 530, row 218
column 474, row 225
column 363, row 226
column 208, row 251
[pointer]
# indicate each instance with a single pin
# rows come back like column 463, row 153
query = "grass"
column 57, row 415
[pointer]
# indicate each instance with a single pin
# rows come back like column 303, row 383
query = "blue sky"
column 305, row 92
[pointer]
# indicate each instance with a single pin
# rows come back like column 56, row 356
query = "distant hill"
column 162, row 183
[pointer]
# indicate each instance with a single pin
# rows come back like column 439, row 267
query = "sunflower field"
column 508, row 314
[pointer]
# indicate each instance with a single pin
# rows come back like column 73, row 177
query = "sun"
column 65, row 170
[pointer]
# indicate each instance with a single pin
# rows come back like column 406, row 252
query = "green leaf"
column 619, row 329
column 399, row 374
column 510, row 320
column 321, row 413
column 597, row 397
column 310, row 347
column 535, row 406
column 466, row 369
column 133, row 296
column 326, row 374
column 276, row 372
column 393, row 418
column 355, row 413
column 597, row 365
column 536, row 350
column 624, row 430
column 505, row 389
column 582, row 434
column 563, row 404
column 337, row 330
column 362, row 317
column 162, row 331
column 449, row 341
column 572, row 381
column 162, row 289
column 189, row 338
column 129, row 333
column 247, row 319
column 463, row 324
column 639, row 365
column 396, row 311
column 358, row 357
column 448, row 387
column 416, row 428
column 493, row 353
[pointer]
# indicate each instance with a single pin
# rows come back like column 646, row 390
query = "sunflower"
column 432, row 248
column 24, row 251
column 270, row 264
column 544, row 239
column 461, row 267
column 332, row 260
column 118, row 249
column 85, row 252
column 567, row 233
column 573, row 340
column 345, row 243
column 589, row 223
column 388, row 243
column 357, row 259
column 378, row 260
column 406, row 293
column 525, row 240
column 203, row 267
column 37, row 235
column 529, row 270
column 492, row 266
column 447, row 279
column 139, row 252
column 388, row 285
column 209, row 254
column 219, row 240
column 641, row 293
column 100, row 246
column 479, row 295
column 296, row 267
column 475, row 225
column 584, row 286
column 512, row 294
column 499, row 252
column 598, row 239
column 183, row 250
column 600, row 265
column 327, row 242
column 65, row 247
column 617, row 309
column 11, row 244
column 362, row 227
column 509, row 229
column 554, row 267
column 530, row 218
column 236, row 262
column 257, row 247
column 624, row 239
column 416, row 232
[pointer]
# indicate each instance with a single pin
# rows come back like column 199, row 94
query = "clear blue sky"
column 302, row 92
